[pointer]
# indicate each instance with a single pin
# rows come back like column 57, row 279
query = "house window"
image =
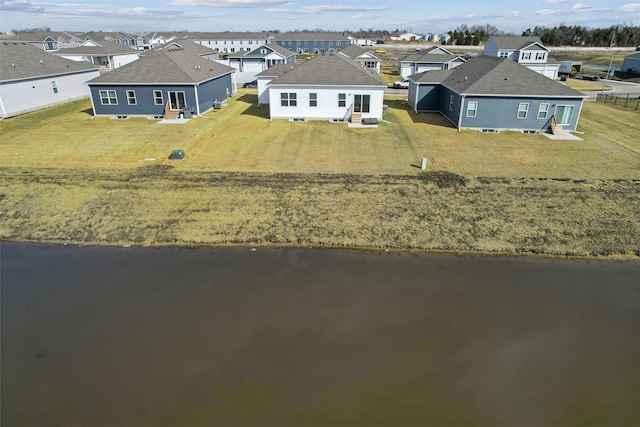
column 263, row 51
column 54, row 86
column 503, row 54
column 361, row 103
column 131, row 97
column 342, row 100
column 288, row 99
column 370, row 64
column 108, row 97
column 451, row 99
column 543, row 110
column 523, row 109
column 540, row 56
column 313, row 100
column 157, row 97
column 526, row 56
column 472, row 108
column 564, row 114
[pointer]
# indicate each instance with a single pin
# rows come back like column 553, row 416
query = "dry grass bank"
column 69, row 178
column 160, row 205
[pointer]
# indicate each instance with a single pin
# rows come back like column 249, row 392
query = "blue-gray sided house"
column 162, row 84
column 261, row 58
column 316, row 42
column 491, row 93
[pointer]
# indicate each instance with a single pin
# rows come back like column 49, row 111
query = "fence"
column 628, row 101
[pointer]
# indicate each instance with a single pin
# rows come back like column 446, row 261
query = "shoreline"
column 433, row 212
column 586, row 257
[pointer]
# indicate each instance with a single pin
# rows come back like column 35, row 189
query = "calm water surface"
column 131, row 336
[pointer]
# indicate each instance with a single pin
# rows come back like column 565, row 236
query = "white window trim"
column 130, row 98
column 108, row 97
column 546, row 112
column 474, row 110
column 526, row 110
column 342, row 100
column 155, row 98
column 313, row 100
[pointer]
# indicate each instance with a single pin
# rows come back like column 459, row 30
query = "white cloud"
column 313, row 10
column 555, row 1
column 631, row 8
column 227, row 3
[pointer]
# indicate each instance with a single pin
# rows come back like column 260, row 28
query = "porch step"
column 356, row 117
column 557, row 130
column 169, row 113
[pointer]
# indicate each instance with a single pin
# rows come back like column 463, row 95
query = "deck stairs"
column 169, row 113
column 356, row 117
column 556, row 128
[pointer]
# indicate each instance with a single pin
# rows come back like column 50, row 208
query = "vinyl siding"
column 144, row 96
column 501, row 113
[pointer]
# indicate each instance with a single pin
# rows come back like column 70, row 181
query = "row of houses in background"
column 490, row 92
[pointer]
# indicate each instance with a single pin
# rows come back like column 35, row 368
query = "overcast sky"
column 420, row 16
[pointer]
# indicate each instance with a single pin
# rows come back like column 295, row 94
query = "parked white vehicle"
column 401, row 84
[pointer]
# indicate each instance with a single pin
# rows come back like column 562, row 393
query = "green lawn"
column 240, row 137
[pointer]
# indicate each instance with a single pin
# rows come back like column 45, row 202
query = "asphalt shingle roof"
column 330, row 69
column 429, row 57
column 353, row 51
column 166, row 66
column 490, row 75
column 21, row 60
column 39, row 36
column 105, row 47
column 276, row 70
column 515, row 42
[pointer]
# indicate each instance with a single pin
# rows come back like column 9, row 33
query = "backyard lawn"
column 241, row 138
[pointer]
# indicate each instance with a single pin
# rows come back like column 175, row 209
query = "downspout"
column 460, row 113
column 4, row 112
column 93, row 107
column 197, row 101
column 578, row 117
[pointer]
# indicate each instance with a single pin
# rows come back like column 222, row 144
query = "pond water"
column 169, row 336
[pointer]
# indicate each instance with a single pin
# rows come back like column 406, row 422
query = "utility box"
column 177, row 155
column 423, row 164
column 188, row 113
column 217, row 105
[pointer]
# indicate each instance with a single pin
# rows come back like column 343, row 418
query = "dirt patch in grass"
column 438, row 211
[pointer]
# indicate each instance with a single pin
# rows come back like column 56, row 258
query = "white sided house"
column 328, row 87
column 362, row 56
column 528, row 51
column 32, row 79
column 105, row 54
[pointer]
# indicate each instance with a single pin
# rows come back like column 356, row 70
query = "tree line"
column 575, row 35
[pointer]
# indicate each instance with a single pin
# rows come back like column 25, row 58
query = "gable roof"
column 40, row 36
column 354, row 51
column 255, row 53
column 432, row 76
column 330, row 69
column 319, row 36
column 187, row 45
column 430, row 58
column 104, row 47
column 516, row 42
column 22, row 60
column 490, row 75
column 165, row 66
column 276, row 70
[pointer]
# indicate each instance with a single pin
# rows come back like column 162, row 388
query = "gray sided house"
column 261, row 58
column 631, row 64
column 162, row 83
column 434, row 58
column 31, row 79
column 318, row 42
column 490, row 93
